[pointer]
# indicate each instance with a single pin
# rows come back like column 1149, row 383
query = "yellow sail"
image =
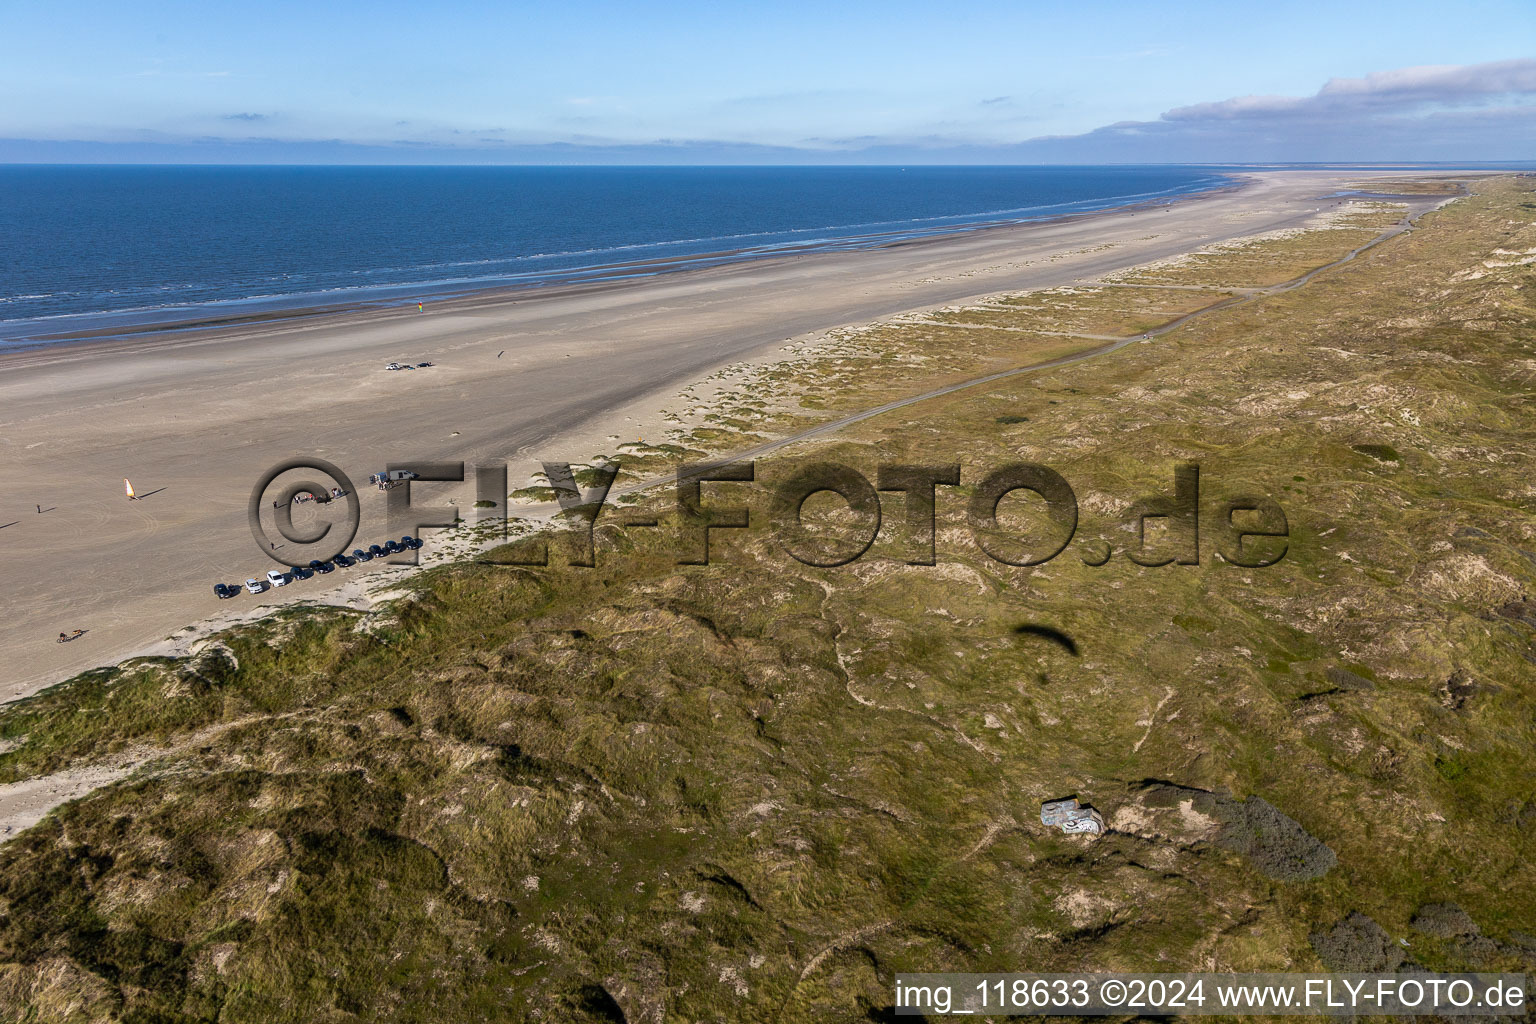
column 129, row 488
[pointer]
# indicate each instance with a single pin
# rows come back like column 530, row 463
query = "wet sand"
column 195, row 417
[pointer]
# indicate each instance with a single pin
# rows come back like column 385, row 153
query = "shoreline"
column 598, row 275
column 356, row 594
column 199, row 417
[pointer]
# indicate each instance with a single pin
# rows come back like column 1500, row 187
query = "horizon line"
column 1516, row 163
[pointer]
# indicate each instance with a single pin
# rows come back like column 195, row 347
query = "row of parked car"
column 278, row 578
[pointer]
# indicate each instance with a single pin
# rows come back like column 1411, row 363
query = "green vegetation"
column 1272, row 259
column 752, row 791
column 1379, row 452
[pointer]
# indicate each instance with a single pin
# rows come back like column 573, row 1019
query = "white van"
column 390, row 477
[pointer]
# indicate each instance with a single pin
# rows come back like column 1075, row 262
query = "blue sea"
column 123, row 249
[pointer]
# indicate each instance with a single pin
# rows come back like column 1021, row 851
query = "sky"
column 787, row 82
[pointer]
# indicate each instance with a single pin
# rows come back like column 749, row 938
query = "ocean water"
column 123, row 249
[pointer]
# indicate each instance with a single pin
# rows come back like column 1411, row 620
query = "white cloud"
column 1404, row 89
column 1439, row 81
column 1455, row 113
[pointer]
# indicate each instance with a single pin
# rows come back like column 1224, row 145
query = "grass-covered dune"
column 755, row 790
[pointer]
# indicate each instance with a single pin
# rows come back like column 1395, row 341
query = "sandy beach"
column 195, row 418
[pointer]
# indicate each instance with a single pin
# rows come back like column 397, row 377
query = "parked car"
column 423, row 364
column 374, row 551
column 319, row 566
column 390, row 477
column 409, row 543
column 361, row 555
column 224, row 590
column 255, row 586
column 299, row 573
column 393, row 366
column 276, row 578
column 391, row 547
column 343, row 562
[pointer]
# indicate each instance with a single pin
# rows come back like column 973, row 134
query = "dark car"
column 319, row 566
column 374, row 551
column 299, row 573
column 393, row 547
column 410, row 543
column 343, row 562
column 361, row 555
column 423, row 364
column 224, row 590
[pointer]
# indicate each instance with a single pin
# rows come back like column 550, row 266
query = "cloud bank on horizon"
column 1438, row 112
column 1482, row 112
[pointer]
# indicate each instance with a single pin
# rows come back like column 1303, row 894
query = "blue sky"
column 787, row 82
